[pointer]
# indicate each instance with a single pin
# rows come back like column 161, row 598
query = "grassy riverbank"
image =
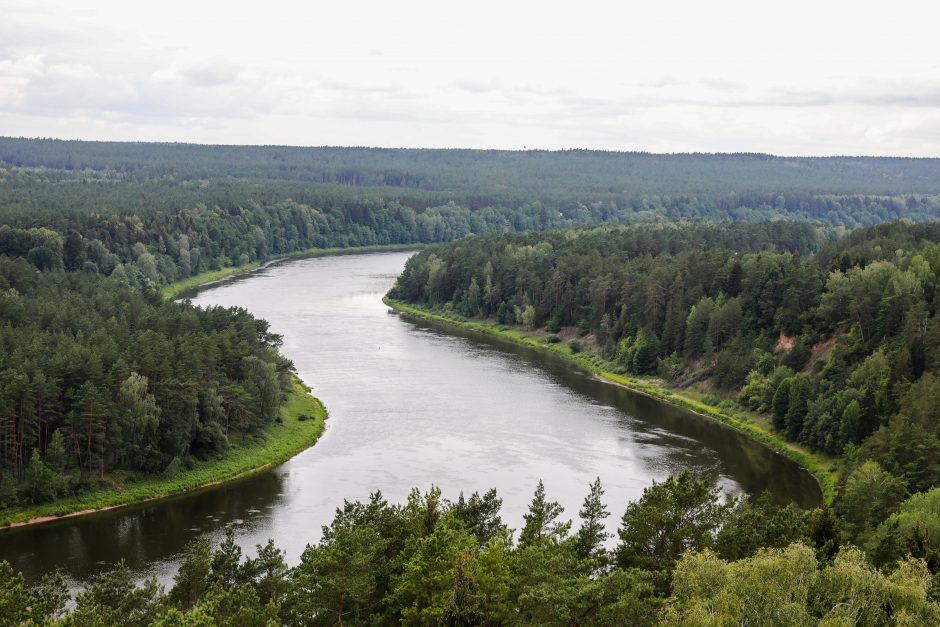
column 748, row 423
column 175, row 289
column 303, row 419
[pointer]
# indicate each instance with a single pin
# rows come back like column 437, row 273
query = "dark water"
column 409, row 406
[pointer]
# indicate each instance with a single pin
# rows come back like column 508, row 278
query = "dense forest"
column 162, row 212
column 836, row 341
column 97, row 376
column 832, row 335
column 682, row 556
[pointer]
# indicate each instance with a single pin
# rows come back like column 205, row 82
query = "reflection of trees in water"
column 140, row 535
column 682, row 439
column 666, row 438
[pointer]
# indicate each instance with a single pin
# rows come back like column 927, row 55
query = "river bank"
column 303, row 420
column 179, row 288
column 743, row 422
column 246, row 457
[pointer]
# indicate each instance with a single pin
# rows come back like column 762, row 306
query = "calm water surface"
column 409, row 406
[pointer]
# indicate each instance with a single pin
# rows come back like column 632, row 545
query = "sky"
column 790, row 78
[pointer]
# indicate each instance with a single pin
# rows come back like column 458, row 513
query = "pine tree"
column 589, row 541
column 541, row 522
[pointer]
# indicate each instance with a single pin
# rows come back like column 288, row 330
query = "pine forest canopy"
column 739, row 274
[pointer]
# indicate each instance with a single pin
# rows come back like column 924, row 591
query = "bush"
column 173, row 468
column 797, row 356
column 575, row 346
column 553, row 339
column 711, row 399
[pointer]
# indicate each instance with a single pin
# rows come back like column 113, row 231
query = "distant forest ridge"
column 165, row 212
column 463, row 170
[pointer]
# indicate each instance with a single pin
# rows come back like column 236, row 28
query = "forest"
column 836, row 341
column 97, row 376
column 682, row 556
column 164, row 212
column 784, row 287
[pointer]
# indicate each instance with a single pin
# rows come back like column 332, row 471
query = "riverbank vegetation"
column 102, row 383
column 109, row 391
column 747, row 422
column 682, row 556
column 302, row 420
column 181, row 287
column 154, row 214
column 835, row 341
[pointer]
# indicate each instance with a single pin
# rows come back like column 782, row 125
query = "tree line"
column 97, row 376
column 681, row 556
column 835, row 340
column 163, row 212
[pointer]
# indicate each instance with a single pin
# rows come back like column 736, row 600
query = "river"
column 410, row 405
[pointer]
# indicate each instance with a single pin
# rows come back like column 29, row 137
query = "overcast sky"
column 791, row 78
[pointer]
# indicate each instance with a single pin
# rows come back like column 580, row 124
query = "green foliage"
column 761, row 523
column 908, row 446
column 745, row 306
column 711, row 399
column 40, row 483
column 678, row 515
column 114, row 599
column 869, row 496
column 192, row 578
column 337, row 577
column 914, row 529
column 787, row 587
column 97, row 376
column 281, row 441
column 480, row 515
column 541, row 521
column 591, row 535
column 21, row 604
column 433, row 561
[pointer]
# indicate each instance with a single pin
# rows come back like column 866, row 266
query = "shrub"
column 173, row 468
column 575, row 346
column 553, row 339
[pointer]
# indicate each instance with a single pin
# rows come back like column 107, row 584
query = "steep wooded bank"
column 834, row 340
column 746, row 422
column 838, row 348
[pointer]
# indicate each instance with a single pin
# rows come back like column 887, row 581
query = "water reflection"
column 411, row 405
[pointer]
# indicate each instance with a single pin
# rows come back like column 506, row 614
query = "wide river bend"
column 410, row 405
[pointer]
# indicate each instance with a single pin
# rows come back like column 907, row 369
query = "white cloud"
column 797, row 78
column 206, row 72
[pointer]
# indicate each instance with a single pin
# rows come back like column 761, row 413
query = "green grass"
column 247, row 456
column 174, row 290
column 747, row 423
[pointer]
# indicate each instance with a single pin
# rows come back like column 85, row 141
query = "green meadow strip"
column 177, row 288
column 601, row 368
column 303, row 419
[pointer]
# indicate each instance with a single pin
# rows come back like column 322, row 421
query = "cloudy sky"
column 820, row 77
